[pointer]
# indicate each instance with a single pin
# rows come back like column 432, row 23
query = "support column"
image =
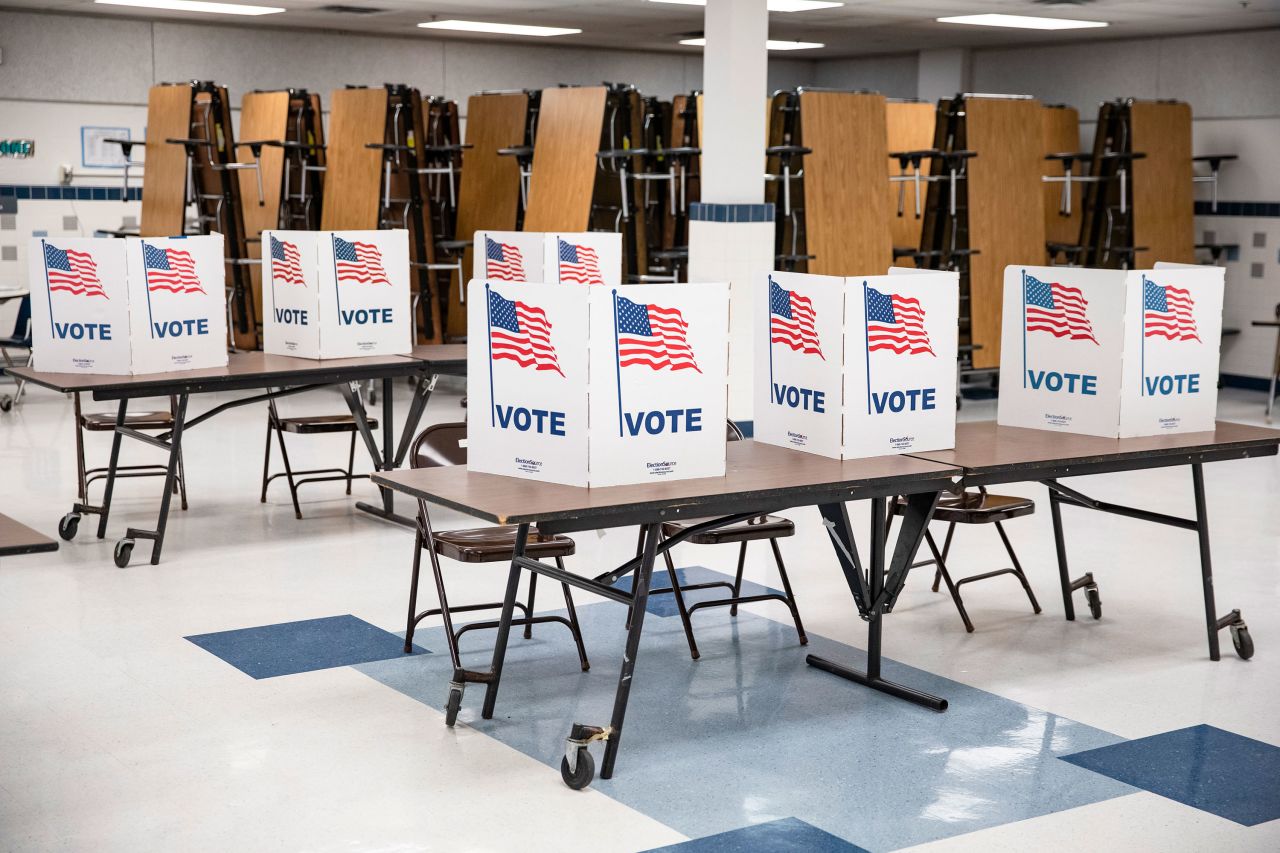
column 731, row 230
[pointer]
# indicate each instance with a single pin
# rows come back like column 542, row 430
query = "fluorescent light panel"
column 502, row 29
column 1023, row 22
column 773, row 5
column 770, row 44
column 195, row 6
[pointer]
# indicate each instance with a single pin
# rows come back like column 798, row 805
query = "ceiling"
column 858, row 28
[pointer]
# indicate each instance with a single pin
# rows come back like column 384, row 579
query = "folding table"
column 991, row 454
column 760, row 478
column 16, row 538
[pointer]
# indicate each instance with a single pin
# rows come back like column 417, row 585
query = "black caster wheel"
column 452, row 706
column 68, row 526
column 1095, row 602
column 580, row 776
column 1242, row 641
column 124, row 550
column 6, row 403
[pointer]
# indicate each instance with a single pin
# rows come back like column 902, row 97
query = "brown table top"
column 997, row 454
column 1271, row 323
column 17, row 538
column 242, row 370
column 760, row 477
column 443, row 358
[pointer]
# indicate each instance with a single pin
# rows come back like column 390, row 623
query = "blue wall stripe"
column 44, row 192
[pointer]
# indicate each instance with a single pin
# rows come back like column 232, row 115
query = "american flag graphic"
column 520, row 333
column 502, row 261
column 173, row 270
column 286, row 263
column 579, row 264
column 1056, row 309
column 359, row 262
column 653, row 336
column 72, row 271
column 791, row 320
column 896, row 323
column 1167, row 312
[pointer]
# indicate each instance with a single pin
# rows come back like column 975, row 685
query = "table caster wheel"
column 68, row 526
column 1242, row 641
column 1095, row 602
column 453, row 705
column 580, row 776
column 6, row 403
column 124, row 550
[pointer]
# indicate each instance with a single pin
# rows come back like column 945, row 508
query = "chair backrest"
column 733, row 432
column 439, row 445
column 22, row 325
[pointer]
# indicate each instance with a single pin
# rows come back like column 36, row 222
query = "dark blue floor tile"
column 789, row 835
column 664, row 603
column 1210, row 769
column 305, row 646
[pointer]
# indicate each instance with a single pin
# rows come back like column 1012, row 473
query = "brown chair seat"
column 497, row 544
column 106, row 421
column 315, row 424
column 759, row 527
column 976, row 508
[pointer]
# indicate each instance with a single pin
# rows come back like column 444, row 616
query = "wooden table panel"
column 1163, row 198
column 910, row 128
column 1005, row 198
column 353, row 180
column 164, row 177
column 564, row 159
column 1061, row 136
column 846, row 207
column 16, row 538
column 263, row 115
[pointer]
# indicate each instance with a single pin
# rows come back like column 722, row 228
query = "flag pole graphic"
column 1142, row 339
column 488, row 318
column 866, row 335
column 617, row 351
column 146, row 282
column 44, row 252
column 1024, row 328
column 768, row 332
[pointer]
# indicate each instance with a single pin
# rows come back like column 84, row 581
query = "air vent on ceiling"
column 339, row 9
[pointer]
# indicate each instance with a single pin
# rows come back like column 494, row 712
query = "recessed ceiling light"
column 503, row 29
column 773, row 5
column 1023, row 22
column 770, row 44
column 195, row 6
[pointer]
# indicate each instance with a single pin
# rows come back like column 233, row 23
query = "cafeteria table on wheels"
column 275, row 375
column 760, row 478
column 990, row 454
column 16, row 538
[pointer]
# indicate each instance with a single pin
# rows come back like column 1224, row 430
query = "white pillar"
column 734, row 84
column 942, row 73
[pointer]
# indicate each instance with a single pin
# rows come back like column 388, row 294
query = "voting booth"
column 591, row 257
column 336, row 294
column 140, row 305
column 507, row 256
column 594, row 386
column 1114, row 353
column 858, row 366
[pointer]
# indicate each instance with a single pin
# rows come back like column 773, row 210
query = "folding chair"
column 309, row 425
column 978, row 507
column 770, row 527
column 440, row 445
column 20, row 339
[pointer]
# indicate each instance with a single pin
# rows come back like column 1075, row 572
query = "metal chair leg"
column 940, row 560
column 81, row 471
column 737, row 578
column 946, row 549
column 528, row 624
column 182, row 481
column 413, row 593
column 679, row 596
column 266, row 462
column 288, row 474
column 786, row 588
column 573, row 621
column 351, row 460
column 1017, row 568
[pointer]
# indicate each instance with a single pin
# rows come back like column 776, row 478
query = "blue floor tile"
column 1216, row 771
column 750, row 733
column 664, row 604
column 789, row 835
column 293, row 647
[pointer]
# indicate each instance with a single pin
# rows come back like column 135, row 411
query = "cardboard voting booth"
column 593, row 386
column 507, row 256
column 592, row 257
column 140, row 305
column 1114, row 353
column 80, row 305
column 858, row 366
column 336, row 294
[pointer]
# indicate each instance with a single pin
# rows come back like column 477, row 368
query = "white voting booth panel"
column 337, row 294
column 508, row 256
column 859, row 366
column 597, row 386
column 177, row 302
column 1113, row 353
column 592, row 257
column 80, row 305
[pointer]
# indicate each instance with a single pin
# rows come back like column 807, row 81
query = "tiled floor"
column 117, row 732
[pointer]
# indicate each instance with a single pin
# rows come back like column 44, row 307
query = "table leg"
column 124, row 547
column 421, row 395
column 362, row 423
column 1275, row 371
column 880, row 595
column 392, row 455
column 388, row 441
column 1206, row 562
column 1060, row 543
column 504, row 623
column 111, row 469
